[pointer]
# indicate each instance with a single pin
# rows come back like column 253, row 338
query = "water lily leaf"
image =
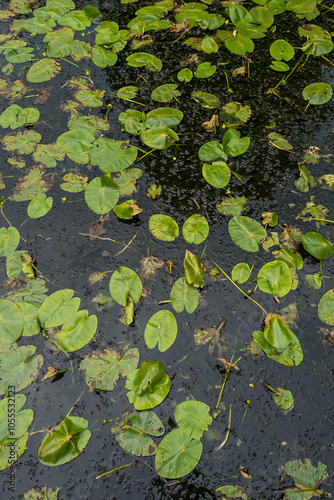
column 184, row 296
column 281, row 49
column 59, row 42
column 209, row 46
column 112, row 156
column 31, row 324
column 307, row 479
column 232, row 206
column 317, row 93
column 205, row 99
column 65, row 442
column 291, row 355
column 127, row 210
column 31, row 185
column 23, row 142
column 11, row 322
column 165, row 93
column 76, row 144
column 177, row 455
column 241, row 272
column 90, row 98
column 163, row 117
column 279, row 66
column 133, row 430
column 284, row 399
column 126, row 181
column 193, row 270
column 43, row 70
column 205, row 70
column 211, row 150
column 185, row 75
column 301, row 6
column 58, row 308
column 233, row 492
column 326, row 307
column 262, row 15
column 15, row 116
column 163, row 227
column 80, row 49
column 277, row 332
column 74, row 183
column 132, row 121
column 193, row 418
column 149, row 385
column 33, row 25
column 125, row 283
column 19, row 55
column 22, row 419
column 234, row 114
column 14, row 265
column 33, row 292
column 275, row 278
column 75, row 19
column 161, row 330
column 104, row 369
column 39, row 206
column 107, row 33
column 128, row 92
column 217, row 174
column 246, row 232
column 233, row 144
column 101, row 194
column 195, row 229
column 41, row 494
column 240, row 45
column 144, row 59
column 317, row 245
column 19, row 367
column 103, row 57
column 279, row 142
column 49, row 154
column 293, row 260
column 77, row 331
column 9, row 240
column 88, row 123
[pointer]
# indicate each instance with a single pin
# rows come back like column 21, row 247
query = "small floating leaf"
column 101, row 194
column 163, row 227
column 277, row 332
column 125, row 283
column 58, row 308
column 246, row 232
column 159, row 137
column 318, row 93
column 149, row 385
column 195, row 229
column 281, row 49
column 77, row 331
column 183, row 296
column 19, row 367
column 275, row 278
column 11, row 322
column 161, row 330
column 241, row 272
column 66, row 441
column 39, row 206
column 193, row 418
column 165, row 93
column 193, row 269
column 216, row 174
column 307, row 479
column 284, row 399
column 326, row 307
column 43, row 70
column 9, row 240
column 317, row 245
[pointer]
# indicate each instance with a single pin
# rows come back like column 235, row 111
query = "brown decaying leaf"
column 43, row 96
column 193, row 58
column 227, row 364
column 97, row 228
column 212, row 124
column 50, row 373
column 329, row 335
column 243, row 473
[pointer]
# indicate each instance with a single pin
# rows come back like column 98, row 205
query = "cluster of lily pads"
column 28, row 310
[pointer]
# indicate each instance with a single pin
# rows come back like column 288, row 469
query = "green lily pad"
column 104, row 369
column 77, row 331
column 241, row 272
column 193, row 270
column 23, row 142
column 41, row 494
column 216, row 174
column 233, row 491
column 326, row 307
column 133, row 431
column 275, row 278
column 31, row 324
column 163, row 227
column 177, row 455
column 206, row 99
column 233, row 144
column 185, row 75
column 126, row 181
column 13, row 422
column 211, row 150
column 317, row 93
column 43, row 70
column 317, row 245
column 140, row 59
column 281, row 49
column 76, row 144
column 184, row 296
column 11, row 322
column 39, row 206
column 193, row 418
column 125, row 283
column 74, row 183
column 112, row 156
column 307, row 479
column 161, row 330
column 291, row 355
column 284, row 399
column 58, row 308
column 246, row 232
column 277, row 332
column 9, row 240
column 159, row 137
column 49, row 154
column 165, row 93
column 19, row 367
column 195, row 229
column 163, row 117
column 66, row 441
column 232, row 206
column 15, row 116
column 101, row 194
column 9, row 455
column 132, row 121
column 149, row 385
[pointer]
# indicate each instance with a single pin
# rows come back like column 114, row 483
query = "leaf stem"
column 142, row 461
column 113, row 470
column 218, row 448
column 244, row 293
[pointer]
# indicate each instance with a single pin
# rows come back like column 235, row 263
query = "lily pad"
column 11, row 322
column 275, row 278
column 241, row 272
column 232, row 206
column 291, row 355
column 184, row 296
column 195, row 229
column 307, row 479
column 10, row 413
column 15, row 116
column 140, row 59
column 277, row 332
column 9, row 240
column 66, row 441
column 58, row 308
column 163, row 117
column 317, row 93
column 317, row 245
column 246, row 232
column 134, row 430
column 161, row 330
column 216, row 174
column 23, row 142
column 77, row 331
column 159, row 137
column 101, row 194
column 31, row 324
column 104, row 369
column 284, row 399
column 326, row 307
column 43, row 70
column 193, row 418
column 165, row 93
column 19, row 367
column 163, row 227
column 149, row 385
column 177, row 455
column 39, row 206
column 125, row 283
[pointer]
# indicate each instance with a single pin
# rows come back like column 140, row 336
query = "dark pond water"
column 262, row 439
